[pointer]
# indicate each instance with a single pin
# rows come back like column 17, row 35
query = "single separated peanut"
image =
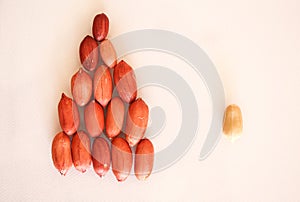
column 233, row 122
column 68, row 115
column 144, row 158
column 81, row 151
column 61, row 153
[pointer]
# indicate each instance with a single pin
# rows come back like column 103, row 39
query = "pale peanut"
column 103, row 85
column 81, row 87
column 108, row 53
column 137, row 121
column 121, row 158
column 94, row 118
column 81, row 151
column 114, row 117
column 125, row 81
column 101, row 156
column 233, row 122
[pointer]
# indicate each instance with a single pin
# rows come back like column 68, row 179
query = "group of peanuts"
column 92, row 90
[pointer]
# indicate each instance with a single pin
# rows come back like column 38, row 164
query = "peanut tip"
column 63, row 172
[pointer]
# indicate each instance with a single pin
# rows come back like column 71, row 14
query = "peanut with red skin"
column 103, row 86
column 94, row 119
column 108, row 53
column 61, row 153
column 100, row 27
column 101, row 156
column 144, row 158
column 81, row 87
column 114, row 117
column 89, row 53
column 137, row 121
column 81, row 151
column 125, row 81
column 121, row 158
column 68, row 115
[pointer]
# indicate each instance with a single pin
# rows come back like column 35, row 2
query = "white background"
column 255, row 46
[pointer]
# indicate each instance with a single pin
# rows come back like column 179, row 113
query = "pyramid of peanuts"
column 97, row 138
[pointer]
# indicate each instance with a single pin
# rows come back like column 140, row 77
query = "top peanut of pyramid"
column 100, row 27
